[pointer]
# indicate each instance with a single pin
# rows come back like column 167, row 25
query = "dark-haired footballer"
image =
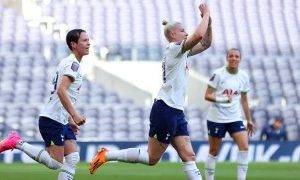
column 59, row 121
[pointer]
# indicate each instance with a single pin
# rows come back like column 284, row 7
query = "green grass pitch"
column 162, row 171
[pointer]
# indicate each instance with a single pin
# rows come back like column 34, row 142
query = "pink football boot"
column 10, row 142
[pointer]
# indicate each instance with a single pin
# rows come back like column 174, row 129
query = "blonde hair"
column 168, row 27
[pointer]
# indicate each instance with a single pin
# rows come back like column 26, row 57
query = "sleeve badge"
column 213, row 77
column 75, row 66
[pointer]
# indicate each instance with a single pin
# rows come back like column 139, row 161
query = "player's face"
column 83, row 44
column 179, row 33
column 277, row 125
column 233, row 58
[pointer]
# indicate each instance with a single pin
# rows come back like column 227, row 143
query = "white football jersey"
column 226, row 83
column 54, row 109
column 175, row 76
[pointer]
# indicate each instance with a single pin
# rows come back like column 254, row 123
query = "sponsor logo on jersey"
column 230, row 92
column 75, row 66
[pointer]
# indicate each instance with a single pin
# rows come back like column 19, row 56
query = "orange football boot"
column 98, row 160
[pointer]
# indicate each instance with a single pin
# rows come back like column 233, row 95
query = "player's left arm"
column 204, row 43
column 245, row 105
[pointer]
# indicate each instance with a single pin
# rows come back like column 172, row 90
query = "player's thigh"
column 183, row 146
column 241, row 139
column 238, row 132
column 70, row 147
column 162, row 122
column 215, row 129
column 70, row 141
column 56, row 152
column 52, row 133
column 214, row 145
column 155, row 150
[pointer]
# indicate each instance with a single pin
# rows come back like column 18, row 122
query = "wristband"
column 222, row 99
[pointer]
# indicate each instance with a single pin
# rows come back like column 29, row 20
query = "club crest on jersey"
column 75, row 66
column 213, row 77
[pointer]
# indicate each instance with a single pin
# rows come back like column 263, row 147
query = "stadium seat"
column 268, row 39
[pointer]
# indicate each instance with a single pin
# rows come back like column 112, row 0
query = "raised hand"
column 204, row 10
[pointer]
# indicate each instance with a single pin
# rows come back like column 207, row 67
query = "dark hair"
column 278, row 118
column 73, row 36
column 233, row 49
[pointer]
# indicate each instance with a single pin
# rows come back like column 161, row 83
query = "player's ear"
column 73, row 44
column 172, row 35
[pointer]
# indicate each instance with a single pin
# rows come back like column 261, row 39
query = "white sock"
column 242, row 165
column 130, row 155
column 67, row 171
column 210, row 166
column 38, row 154
column 191, row 170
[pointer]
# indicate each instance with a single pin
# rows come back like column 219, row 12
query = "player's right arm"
column 65, row 100
column 210, row 94
column 200, row 31
column 204, row 43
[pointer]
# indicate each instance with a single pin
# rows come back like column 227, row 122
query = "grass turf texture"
column 165, row 171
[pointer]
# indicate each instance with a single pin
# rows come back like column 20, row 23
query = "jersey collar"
column 73, row 57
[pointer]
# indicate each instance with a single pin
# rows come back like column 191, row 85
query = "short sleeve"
column 246, row 84
column 176, row 48
column 214, row 80
column 71, row 69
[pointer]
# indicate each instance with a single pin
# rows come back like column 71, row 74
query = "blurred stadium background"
column 123, row 71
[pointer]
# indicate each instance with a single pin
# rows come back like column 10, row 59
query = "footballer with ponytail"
column 167, row 120
column 198, row 41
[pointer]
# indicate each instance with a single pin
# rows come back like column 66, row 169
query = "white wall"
column 141, row 80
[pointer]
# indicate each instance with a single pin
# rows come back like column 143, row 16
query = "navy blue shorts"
column 219, row 129
column 166, row 122
column 54, row 133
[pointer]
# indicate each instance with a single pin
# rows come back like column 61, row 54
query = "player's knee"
column 72, row 159
column 153, row 161
column 190, row 156
column 243, row 148
column 213, row 151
